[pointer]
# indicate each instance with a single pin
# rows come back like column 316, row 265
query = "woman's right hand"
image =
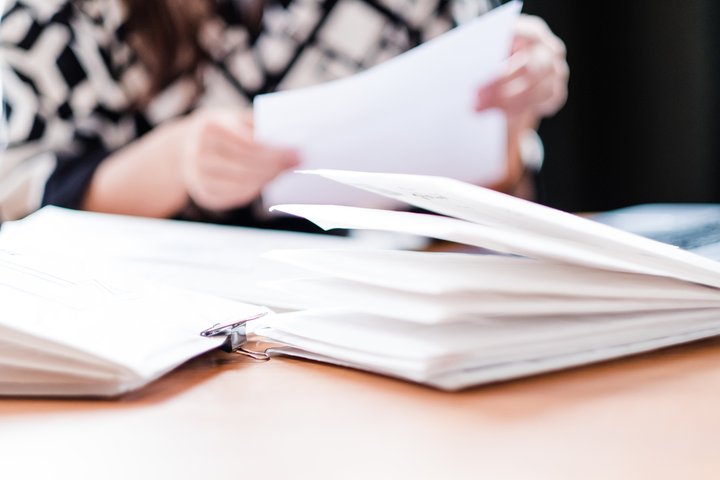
column 220, row 164
column 208, row 156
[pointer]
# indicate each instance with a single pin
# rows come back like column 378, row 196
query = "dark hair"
column 166, row 36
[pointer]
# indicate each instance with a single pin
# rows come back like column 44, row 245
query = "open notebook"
column 556, row 290
column 69, row 331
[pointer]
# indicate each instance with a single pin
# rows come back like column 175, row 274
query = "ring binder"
column 236, row 337
column 226, row 329
column 71, row 329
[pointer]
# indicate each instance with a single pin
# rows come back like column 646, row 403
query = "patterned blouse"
column 70, row 79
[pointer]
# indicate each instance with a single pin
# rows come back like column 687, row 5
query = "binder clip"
column 235, row 337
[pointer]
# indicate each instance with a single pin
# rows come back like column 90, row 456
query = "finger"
column 219, row 192
column 533, row 63
column 267, row 159
column 521, row 96
column 559, row 94
column 223, row 196
column 526, row 69
column 530, row 30
column 529, row 99
column 223, row 143
column 232, row 118
column 233, row 191
column 235, row 125
column 227, row 127
column 249, row 163
column 556, row 100
column 525, row 72
column 230, row 135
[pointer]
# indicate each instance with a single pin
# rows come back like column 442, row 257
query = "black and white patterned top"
column 70, row 79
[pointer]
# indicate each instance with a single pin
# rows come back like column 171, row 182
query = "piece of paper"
column 215, row 259
column 438, row 273
column 471, row 307
column 581, row 292
column 459, row 231
column 116, row 334
column 464, row 354
column 412, row 114
column 499, row 217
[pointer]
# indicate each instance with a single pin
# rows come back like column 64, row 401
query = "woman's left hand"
column 532, row 86
column 534, row 83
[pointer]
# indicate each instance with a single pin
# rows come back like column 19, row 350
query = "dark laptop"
column 690, row 226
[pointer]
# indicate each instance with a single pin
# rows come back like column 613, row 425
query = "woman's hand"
column 533, row 86
column 221, row 166
column 534, row 83
column 208, row 156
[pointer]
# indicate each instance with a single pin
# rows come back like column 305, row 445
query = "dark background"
column 643, row 106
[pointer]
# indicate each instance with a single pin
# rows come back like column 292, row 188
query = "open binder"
column 551, row 291
column 554, row 291
column 68, row 331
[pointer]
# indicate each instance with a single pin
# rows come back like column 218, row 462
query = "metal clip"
column 236, row 337
column 228, row 328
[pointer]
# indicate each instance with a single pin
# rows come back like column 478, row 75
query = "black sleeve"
column 71, row 178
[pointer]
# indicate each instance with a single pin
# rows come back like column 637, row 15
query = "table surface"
column 223, row 416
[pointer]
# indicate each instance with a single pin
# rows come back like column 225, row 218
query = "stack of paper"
column 99, row 304
column 69, row 331
column 214, row 259
column 560, row 291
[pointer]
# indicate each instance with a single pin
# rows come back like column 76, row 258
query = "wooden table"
column 652, row 416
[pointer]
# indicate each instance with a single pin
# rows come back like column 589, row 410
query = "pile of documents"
column 556, row 290
column 69, row 331
column 548, row 290
column 551, row 290
column 213, row 259
column 99, row 305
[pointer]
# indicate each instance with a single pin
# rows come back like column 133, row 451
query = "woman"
column 143, row 107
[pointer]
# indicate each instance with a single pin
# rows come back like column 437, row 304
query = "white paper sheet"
column 458, row 320
column 527, row 222
column 213, row 259
column 451, row 229
column 436, row 273
column 460, row 355
column 117, row 334
column 470, row 307
column 357, row 332
column 413, row 113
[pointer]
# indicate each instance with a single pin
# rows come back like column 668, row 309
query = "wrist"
column 531, row 150
column 525, row 155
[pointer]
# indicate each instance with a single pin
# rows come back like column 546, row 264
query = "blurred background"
column 643, row 110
